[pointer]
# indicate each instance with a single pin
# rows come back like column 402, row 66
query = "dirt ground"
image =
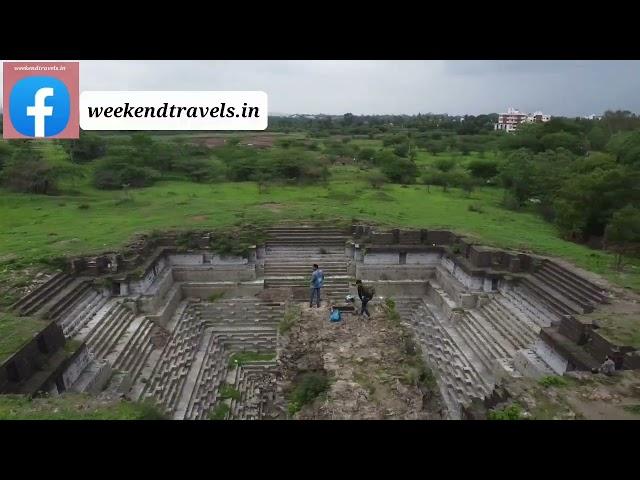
column 365, row 361
column 578, row 396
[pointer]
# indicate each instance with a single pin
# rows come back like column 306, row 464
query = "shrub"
column 307, row 389
column 290, row 318
column 444, row 164
column 112, row 174
column 399, row 170
column 377, row 179
column 552, row 381
column 510, row 201
column 227, row 391
column 83, row 206
column 220, row 412
column 483, row 169
column 512, row 412
column 214, row 297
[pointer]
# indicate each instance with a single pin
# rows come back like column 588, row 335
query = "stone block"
column 514, row 265
column 439, row 237
column 409, row 237
column 382, row 238
column 479, row 258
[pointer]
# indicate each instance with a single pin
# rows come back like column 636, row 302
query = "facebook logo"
column 39, row 106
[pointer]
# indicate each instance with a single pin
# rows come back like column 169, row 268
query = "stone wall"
column 230, row 289
column 216, row 273
column 31, row 358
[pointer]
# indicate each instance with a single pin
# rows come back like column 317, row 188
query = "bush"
column 444, row 164
column 483, row 169
column 113, row 174
column 307, row 389
column 512, row 412
column 220, row 412
column 510, row 201
column 376, row 179
column 88, row 147
column 400, row 170
column 552, row 381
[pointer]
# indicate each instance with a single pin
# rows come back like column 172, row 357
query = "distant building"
column 510, row 120
column 593, row 116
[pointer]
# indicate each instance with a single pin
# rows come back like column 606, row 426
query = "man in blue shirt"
column 317, row 281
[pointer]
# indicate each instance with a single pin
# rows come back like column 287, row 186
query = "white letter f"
column 39, row 111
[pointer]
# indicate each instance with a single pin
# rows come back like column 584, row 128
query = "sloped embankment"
column 358, row 369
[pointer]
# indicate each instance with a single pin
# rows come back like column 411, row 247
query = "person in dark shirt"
column 365, row 294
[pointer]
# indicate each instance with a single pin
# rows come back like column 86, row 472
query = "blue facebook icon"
column 39, row 106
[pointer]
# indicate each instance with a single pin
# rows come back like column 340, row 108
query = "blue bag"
column 336, row 316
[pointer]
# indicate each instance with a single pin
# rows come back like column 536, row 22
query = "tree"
column 598, row 138
column 88, row 147
column 402, row 149
column 399, row 170
column 5, row 153
column 111, row 173
column 565, row 140
column 27, row 172
column 623, row 232
column 366, row 154
column 483, row 169
column 376, row 179
column 444, row 164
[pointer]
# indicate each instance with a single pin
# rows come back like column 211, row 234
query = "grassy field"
column 73, row 407
column 34, row 228
column 15, row 332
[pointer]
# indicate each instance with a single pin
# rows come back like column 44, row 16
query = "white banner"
column 173, row 110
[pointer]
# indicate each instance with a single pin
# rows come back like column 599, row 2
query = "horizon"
column 560, row 88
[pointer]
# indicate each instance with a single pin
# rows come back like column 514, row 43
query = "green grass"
column 553, row 381
column 240, row 358
column 512, row 412
column 633, row 408
column 290, row 318
column 15, row 332
column 74, row 407
column 34, row 228
column 307, row 388
column 620, row 328
column 227, row 391
column 214, row 297
column 220, row 412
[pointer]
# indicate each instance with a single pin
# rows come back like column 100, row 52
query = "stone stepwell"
column 168, row 332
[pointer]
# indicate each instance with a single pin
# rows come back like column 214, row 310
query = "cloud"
column 557, row 87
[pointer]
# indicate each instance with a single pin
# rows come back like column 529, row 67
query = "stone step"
column 69, row 301
column 45, row 295
column 483, row 339
column 105, row 343
column 78, row 317
column 512, row 330
column 572, row 288
column 538, row 312
column 135, row 346
column 577, row 281
column 31, row 302
column 556, row 302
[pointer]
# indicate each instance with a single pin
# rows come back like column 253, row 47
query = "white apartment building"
column 510, row 120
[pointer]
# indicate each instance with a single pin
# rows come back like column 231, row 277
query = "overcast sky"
column 391, row 86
